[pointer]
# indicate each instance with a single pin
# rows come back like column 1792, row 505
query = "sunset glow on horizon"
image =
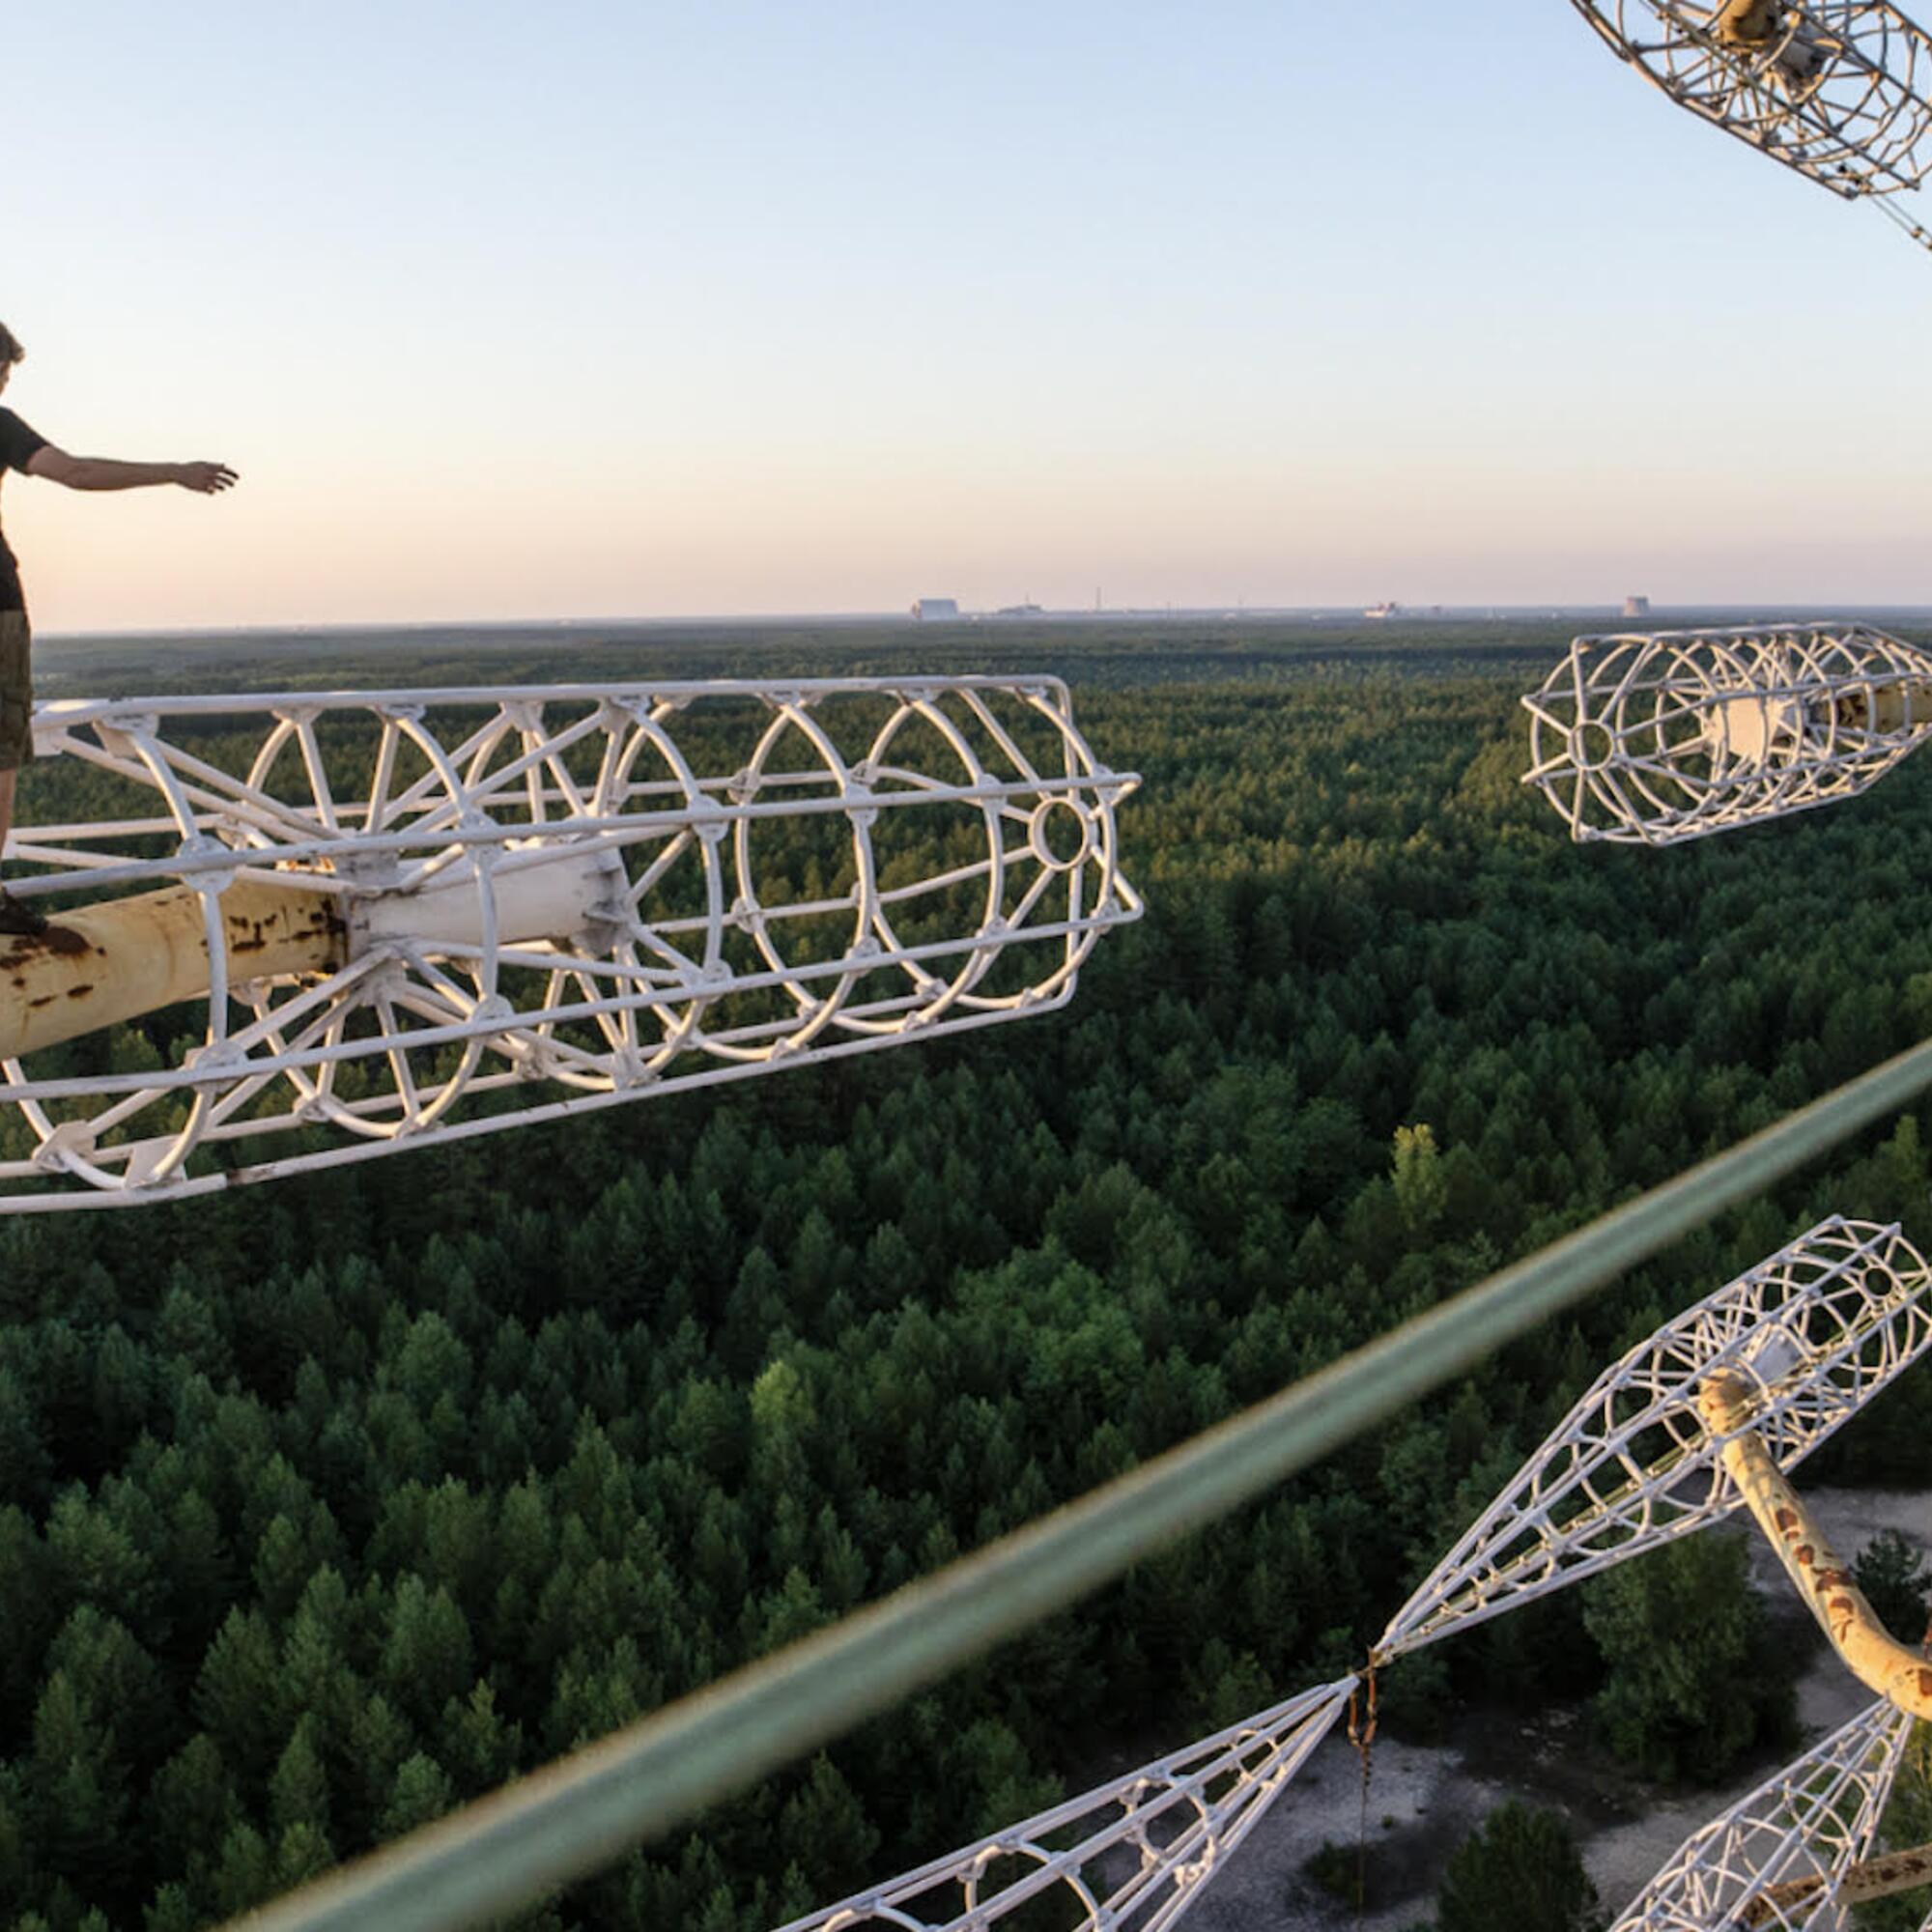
column 616, row 311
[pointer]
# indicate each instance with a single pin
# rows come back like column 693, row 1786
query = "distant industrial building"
column 940, row 610
column 1382, row 613
column 1637, row 607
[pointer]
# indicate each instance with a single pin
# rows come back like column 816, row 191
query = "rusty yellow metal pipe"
column 115, row 962
column 1876, row 1877
column 1901, row 1676
column 1894, row 707
column 1748, row 23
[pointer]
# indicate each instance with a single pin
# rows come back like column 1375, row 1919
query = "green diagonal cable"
column 510, row 1849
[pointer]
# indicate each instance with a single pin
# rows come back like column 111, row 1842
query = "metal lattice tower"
column 1840, row 91
column 400, row 916
column 1671, row 736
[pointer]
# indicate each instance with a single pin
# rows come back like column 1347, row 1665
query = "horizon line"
column 1002, row 615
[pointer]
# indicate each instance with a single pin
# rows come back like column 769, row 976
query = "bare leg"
column 6, row 807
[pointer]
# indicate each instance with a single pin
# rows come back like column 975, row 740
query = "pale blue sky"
column 601, row 309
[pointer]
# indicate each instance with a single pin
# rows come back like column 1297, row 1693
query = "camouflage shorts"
column 16, row 691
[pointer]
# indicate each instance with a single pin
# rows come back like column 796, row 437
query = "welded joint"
column 120, row 730
column 69, row 1142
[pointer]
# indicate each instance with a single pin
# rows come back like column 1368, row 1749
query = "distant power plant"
column 1637, row 607
column 930, row 610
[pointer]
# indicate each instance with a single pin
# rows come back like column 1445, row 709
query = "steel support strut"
column 1901, row 1676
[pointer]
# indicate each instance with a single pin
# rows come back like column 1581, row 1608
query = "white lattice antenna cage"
column 516, row 904
column 1816, row 1818
column 1656, row 739
column 1837, row 89
column 1817, row 1330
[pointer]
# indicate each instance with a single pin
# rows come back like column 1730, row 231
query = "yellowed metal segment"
column 1748, row 27
column 1876, row 1877
column 1894, row 707
column 115, row 962
column 1901, row 1676
column 1748, row 23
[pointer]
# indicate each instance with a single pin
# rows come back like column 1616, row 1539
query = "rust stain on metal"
column 1857, row 1885
column 1867, row 1649
column 60, row 940
column 159, row 943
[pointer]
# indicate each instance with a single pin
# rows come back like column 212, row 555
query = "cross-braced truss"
column 1128, row 1856
column 1837, row 89
column 1815, row 1332
column 1815, row 1818
column 1658, row 739
column 551, row 899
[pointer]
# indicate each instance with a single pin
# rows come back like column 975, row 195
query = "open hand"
column 205, row 478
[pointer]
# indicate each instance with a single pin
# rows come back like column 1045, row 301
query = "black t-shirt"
column 18, row 445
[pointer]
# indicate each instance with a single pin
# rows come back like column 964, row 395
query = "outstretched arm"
column 103, row 473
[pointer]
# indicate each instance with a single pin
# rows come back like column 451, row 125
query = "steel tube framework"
column 1131, row 1855
column 1660, row 738
column 1839, row 91
column 551, row 901
column 1814, row 1819
column 1809, row 1336
column 1797, row 1346
column 1881, row 1877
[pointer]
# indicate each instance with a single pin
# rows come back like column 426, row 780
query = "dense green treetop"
column 327, row 1506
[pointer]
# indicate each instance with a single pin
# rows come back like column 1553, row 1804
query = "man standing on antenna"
column 32, row 455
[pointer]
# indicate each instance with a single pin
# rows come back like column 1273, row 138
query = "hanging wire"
column 1362, row 1735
